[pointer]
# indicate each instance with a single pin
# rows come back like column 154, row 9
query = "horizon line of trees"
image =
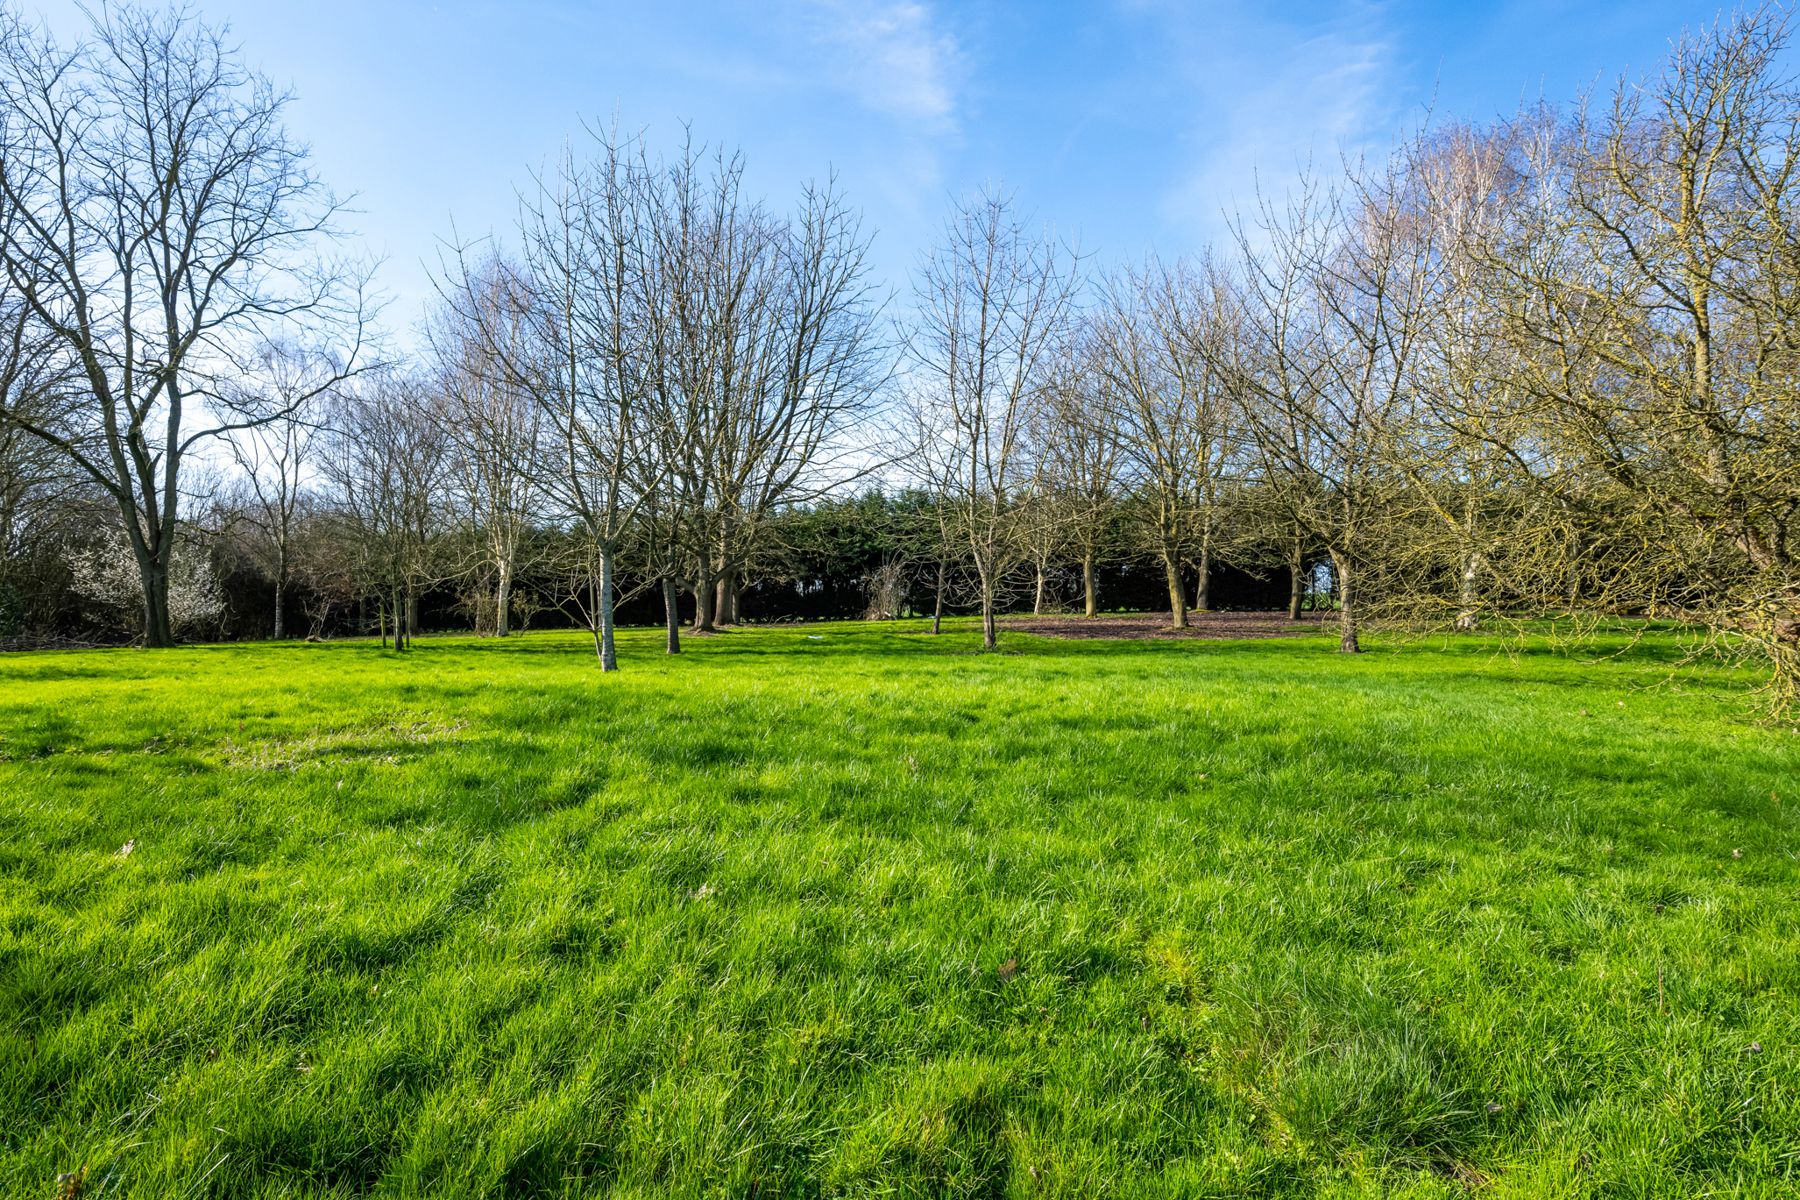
column 1541, row 366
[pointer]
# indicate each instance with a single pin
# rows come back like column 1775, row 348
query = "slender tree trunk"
column 672, row 613
column 1573, row 583
column 1203, row 590
column 152, row 555
column 1296, row 578
column 937, row 602
column 1090, row 594
column 609, row 653
column 412, row 617
column 281, row 578
column 990, row 629
column 1347, row 643
column 593, row 614
column 381, row 621
column 1296, row 585
column 503, row 600
column 1178, row 618
column 1037, row 600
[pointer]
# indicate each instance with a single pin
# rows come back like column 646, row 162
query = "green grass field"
column 874, row 914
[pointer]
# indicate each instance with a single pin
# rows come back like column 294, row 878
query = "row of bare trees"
column 1539, row 367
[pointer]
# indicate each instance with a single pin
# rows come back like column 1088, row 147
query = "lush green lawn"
column 874, row 914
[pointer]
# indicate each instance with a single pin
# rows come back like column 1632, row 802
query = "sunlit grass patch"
column 872, row 914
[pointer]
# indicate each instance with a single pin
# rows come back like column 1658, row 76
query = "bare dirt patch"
column 1141, row 626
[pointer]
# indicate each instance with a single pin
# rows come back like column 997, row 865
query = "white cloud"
column 1272, row 99
column 891, row 55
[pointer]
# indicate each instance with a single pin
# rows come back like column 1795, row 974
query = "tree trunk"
column 503, row 601
column 990, row 629
column 672, row 613
column 937, row 603
column 152, row 555
column 412, row 617
column 1347, row 643
column 593, row 614
column 157, row 631
column 1090, row 594
column 1037, row 600
column 1573, row 583
column 704, row 621
column 1177, row 594
column 725, row 605
column 1466, row 617
column 281, row 574
column 381, row 621
column 1203, row 590
column 1296, row 586
column 609, row 653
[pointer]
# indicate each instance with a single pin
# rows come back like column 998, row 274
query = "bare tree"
column 1332, row 306
column 326, row 564
column 993, row 304
column 274, row 460
column 36, row 482
column 160, row 226
column 1169, row 393
column 699, row 363
column 495, row 426
column 767, row 367
column 1652, row 292
column 1081, row 448
column 932, row 467
column 384, row 464
column 586, row 243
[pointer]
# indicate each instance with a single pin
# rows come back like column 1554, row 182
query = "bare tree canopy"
column 697, row 362
column 158, row 227
column 993, row 306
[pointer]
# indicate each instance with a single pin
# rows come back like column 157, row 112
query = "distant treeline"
column 864, row 557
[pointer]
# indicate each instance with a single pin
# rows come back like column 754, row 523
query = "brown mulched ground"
column 1137, row 626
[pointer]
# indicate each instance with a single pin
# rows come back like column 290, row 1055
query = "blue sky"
column 1128, row 124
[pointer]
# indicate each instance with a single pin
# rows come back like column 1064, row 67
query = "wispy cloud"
column 893, row 56
column 1271, row 98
